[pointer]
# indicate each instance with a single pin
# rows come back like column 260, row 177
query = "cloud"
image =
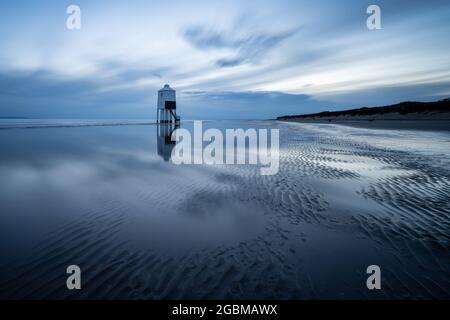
column 227, row 62
column 131, row 72
column 39, row 95
column 247, row 105
column 267, row 59
column 391, row 94
column 247, row 48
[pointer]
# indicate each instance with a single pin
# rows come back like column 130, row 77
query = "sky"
column 226, row 59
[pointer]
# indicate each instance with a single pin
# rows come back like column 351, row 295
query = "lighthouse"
column 167, row 106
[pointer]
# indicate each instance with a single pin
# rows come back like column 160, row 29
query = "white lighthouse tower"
column 167, row 106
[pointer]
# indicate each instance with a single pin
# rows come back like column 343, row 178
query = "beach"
column 108, row 199
column 393, row 124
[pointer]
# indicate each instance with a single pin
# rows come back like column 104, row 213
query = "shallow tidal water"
column 108, row 199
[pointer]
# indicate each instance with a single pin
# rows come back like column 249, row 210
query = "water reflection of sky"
column 341, row 192
column 53, row 176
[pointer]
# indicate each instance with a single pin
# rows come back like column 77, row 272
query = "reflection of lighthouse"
column 164, row 140
column 167, row 106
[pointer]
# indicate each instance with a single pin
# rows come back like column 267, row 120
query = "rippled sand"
column 143, row 228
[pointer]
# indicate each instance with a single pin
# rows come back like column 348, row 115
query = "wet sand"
column 142, row 228
column 394, row 124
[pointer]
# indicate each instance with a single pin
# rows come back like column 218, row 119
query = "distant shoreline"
column 45, row 125
column 13, row 118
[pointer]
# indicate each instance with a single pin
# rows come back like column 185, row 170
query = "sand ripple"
column 331, row 188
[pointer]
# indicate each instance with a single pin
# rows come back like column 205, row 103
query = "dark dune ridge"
column 344, row 198
column 437, row 110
